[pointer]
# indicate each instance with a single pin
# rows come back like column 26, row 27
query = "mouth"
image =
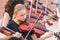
column 23, row 20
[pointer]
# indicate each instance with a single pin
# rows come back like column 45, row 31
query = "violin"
column 26, row 27
column 40, row 20
column 41, row 6
column 5, row 31
column 42, row 13
column 33, row 11
column 8, row 32
column 36, row 28
column 36, row 14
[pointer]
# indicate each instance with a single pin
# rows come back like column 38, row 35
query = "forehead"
column 21, row 12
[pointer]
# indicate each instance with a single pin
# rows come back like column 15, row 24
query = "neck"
column 17, row 21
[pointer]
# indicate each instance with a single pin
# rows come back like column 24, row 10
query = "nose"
column 25, row 16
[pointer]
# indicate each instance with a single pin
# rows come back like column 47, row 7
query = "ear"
column 14, row 15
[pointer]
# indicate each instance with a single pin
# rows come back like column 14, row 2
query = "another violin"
column 8, row 32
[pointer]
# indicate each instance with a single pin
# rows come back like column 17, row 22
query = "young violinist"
column 19, row 16
column 9, row 8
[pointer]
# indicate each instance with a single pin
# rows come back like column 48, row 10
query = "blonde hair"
column 19, row 7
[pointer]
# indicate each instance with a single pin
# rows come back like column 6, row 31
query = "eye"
column 23, row 14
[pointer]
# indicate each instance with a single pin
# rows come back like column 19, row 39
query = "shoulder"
column 10, row 23
column 6, row 15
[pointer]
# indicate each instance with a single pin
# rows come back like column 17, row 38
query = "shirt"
column 13, row 26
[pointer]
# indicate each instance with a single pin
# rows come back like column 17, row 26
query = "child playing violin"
column 19, row 16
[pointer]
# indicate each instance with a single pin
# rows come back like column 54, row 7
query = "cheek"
column 20, row 18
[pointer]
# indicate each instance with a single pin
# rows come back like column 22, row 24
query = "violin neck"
column 6, row 31
column 9, row 30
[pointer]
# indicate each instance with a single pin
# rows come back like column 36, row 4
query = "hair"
column 19, row 7
column 9, row 7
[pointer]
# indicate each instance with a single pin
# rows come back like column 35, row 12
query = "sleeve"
column 9, row 26
column 6, row 19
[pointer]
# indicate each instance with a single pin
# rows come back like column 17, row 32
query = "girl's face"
column 21, row 15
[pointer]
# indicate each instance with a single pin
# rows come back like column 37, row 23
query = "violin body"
column 6, row 32
column 27, row 27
